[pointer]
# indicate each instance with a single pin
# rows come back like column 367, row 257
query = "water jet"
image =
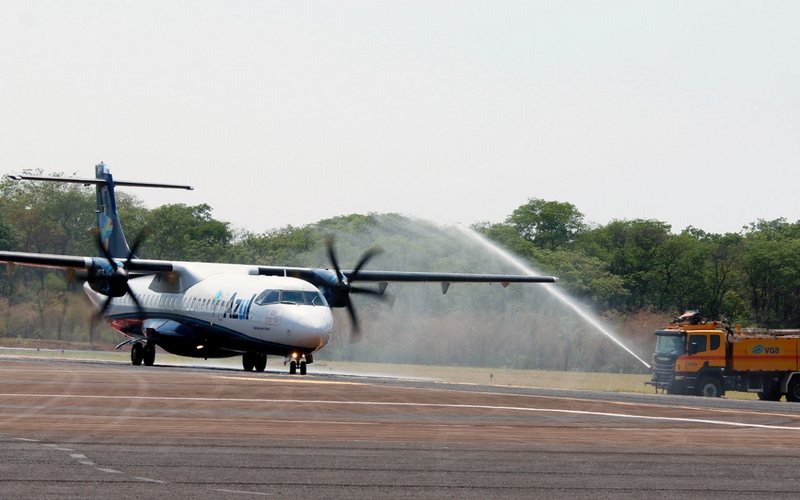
column 553, row 290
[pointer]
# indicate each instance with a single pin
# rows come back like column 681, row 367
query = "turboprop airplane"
column 207, row 310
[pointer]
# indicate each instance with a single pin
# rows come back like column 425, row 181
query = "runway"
column 73, row 429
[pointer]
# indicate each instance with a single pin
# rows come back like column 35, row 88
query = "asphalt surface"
column 97, row 430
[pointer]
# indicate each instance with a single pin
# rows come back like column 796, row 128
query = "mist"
column 522, row 326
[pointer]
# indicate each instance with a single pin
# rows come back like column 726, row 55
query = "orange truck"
column 694, row 356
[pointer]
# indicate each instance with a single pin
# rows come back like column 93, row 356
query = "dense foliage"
column 634, row 273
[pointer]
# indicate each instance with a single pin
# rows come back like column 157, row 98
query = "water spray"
column 552, row 290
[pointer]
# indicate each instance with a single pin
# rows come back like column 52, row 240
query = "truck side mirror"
column 692, row 348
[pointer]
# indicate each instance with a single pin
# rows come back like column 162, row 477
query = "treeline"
column 751, row 277
column 634, row 273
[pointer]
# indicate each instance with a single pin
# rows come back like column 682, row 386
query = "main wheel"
column 149, row 354
column 793, row 392
column 136, row 354
column 710, row 387
column 260, row 362
column 292, row 367
column 248, row 361
column 302, row 368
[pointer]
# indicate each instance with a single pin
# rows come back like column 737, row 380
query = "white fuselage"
column 295, row 316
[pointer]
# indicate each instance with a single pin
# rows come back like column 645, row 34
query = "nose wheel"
column 298, row 363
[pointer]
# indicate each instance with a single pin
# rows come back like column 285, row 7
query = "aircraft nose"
column 312, row 327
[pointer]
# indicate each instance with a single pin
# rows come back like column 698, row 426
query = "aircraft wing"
column 327, row 276
column 422, row 277
column 46, row 260
column 78, row 262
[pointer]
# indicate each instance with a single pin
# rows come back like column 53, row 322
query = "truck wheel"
column 770, row 395
column 793, row 392
column 710, row 387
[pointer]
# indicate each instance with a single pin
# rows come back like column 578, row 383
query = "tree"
column 548, row 224
column 182, row 232
column 769, row 266
column 631, row 249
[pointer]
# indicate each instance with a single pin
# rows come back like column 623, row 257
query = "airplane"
column 217, row 310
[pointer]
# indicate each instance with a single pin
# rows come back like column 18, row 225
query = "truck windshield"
column 670, row 344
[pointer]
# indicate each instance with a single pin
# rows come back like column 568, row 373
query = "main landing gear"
column 298, row 361
column 254, row 360
column 143, row 353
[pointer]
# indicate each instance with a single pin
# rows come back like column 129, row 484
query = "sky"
column 290, row 112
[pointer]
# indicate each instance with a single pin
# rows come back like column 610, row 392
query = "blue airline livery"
column 209, row 310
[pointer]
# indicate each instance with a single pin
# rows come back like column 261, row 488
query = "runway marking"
column 28, row 440
column 242, row 492
column 148, row 480
column 418, row 405
column 516, row 395
column 624, row 403
column 57, row 447
column 83, row 460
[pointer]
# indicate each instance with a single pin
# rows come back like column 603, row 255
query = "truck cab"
column 690, row 359
column 694, row 356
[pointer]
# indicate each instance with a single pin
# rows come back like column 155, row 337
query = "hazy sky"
column 456, row 111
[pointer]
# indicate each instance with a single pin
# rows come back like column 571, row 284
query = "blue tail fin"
column 110, row 230
column 111, row 235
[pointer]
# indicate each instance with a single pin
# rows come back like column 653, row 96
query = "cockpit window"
column 268, row 297
column 290, row 297
column 315, row 299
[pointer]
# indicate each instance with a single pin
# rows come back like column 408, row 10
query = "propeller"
column 344, row 287
column 116, row 284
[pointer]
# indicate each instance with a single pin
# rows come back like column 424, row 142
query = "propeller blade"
column 369, row 254
column 343, row 289
column 105, row 252
column 355, row 332
column 101, row 313
column 135, row 299
column 136, row 245
column 332, row 258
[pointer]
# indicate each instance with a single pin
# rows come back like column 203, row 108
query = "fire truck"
column 707, row 358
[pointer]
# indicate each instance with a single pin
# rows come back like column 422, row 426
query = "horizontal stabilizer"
column 87, row 181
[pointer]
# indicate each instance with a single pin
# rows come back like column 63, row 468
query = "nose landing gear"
column 298, row 361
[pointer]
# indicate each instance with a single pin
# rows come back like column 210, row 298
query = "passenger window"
column 699, row 341
column 714, row 342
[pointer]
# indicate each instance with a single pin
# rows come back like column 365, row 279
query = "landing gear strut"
column 298, row 361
